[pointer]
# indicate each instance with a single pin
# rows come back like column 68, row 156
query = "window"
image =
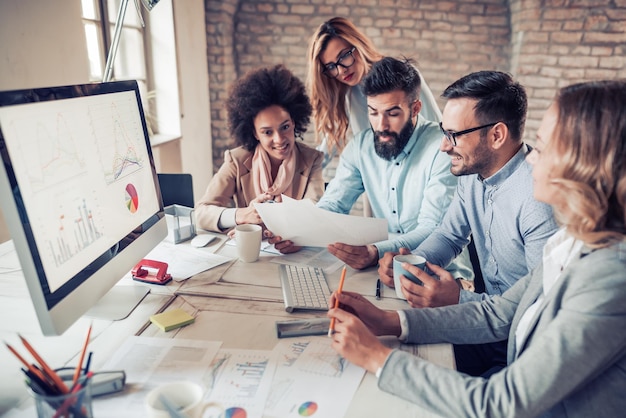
column 99, row 18
column 134, row 60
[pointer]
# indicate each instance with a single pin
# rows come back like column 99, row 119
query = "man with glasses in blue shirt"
column 482, row 124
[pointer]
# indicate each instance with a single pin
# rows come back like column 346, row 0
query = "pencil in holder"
column 75, row 404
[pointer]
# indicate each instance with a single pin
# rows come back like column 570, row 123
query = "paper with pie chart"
column 311, row 380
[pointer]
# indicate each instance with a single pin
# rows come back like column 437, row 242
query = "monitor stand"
column 118, row 303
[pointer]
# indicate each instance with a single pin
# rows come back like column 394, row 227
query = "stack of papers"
column 299, row 376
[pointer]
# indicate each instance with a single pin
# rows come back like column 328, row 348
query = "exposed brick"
column 577, row 61
column 302, row 9
column 262, row 7
column 563, row 41
column 489, row 20
column 602, row 50
column 596, row 22
column 540, row 37
column 566, row 37
column 599, row 74
column 563, row 14
column 572, row 25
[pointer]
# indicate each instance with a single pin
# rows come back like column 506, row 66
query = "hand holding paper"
column 307, row 225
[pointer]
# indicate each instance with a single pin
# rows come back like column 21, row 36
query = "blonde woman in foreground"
column 565, row 320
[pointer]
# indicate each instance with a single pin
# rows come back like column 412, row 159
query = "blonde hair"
column 590, row 161
column 328, row 95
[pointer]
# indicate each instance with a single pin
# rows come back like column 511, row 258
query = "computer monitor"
column 79, row 192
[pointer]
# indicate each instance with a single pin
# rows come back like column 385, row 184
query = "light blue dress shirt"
column 508, row 225
column 413, row 191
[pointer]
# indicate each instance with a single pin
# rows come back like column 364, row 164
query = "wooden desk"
column 237, row 303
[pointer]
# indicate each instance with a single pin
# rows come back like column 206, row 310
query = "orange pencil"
column 46, row 369
column 79, row 366
column 30, row 367
column 332, row 320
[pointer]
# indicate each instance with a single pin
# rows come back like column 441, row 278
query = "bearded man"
column 397, row 163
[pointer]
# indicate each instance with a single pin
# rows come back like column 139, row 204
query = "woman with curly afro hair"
column 267, row 110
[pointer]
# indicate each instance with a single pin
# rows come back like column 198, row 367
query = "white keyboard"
column 304, row 287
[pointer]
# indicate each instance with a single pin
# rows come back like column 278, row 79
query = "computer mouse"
column 202, row 240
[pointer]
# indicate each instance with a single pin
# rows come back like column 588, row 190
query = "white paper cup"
column 248, row 238
column 398, row 271
column 185, row 397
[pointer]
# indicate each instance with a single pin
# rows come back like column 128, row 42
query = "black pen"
column 378, row 295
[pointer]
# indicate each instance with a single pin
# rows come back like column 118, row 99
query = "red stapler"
column 140, row 272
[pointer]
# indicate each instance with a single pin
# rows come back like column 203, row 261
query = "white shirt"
column 559, row 251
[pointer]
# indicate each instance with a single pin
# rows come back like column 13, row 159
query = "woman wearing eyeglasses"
column 565, row 321
column 268, row 109
column 339, row 56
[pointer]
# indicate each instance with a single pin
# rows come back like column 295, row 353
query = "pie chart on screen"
column 132, row 200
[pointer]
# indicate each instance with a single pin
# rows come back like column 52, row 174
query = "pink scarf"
column 262, row 174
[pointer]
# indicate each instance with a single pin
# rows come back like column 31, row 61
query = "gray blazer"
column 572, row 362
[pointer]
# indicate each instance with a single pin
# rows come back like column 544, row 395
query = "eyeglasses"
column 345, row 60
column 451, row 136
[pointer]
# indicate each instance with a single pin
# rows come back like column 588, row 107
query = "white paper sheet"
column 150, row 362
column 240, row 381
column 311, row 380
column 305, row 224
column 184, row 261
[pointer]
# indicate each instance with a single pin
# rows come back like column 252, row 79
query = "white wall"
column 43, row 44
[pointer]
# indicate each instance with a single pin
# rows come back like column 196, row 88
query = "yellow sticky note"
column 171, row 319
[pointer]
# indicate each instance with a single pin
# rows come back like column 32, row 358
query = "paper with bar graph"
column 311, row 380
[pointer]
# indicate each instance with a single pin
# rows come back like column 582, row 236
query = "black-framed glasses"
column 345, row 60
column 451, row 136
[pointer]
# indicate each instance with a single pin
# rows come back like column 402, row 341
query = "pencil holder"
column 181, row 224
column 76, row 404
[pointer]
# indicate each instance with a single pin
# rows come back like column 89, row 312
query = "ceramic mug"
column 415, row 260
column 185, row 398
column 248, row 238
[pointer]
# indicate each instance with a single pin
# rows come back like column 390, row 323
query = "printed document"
column 307, row 225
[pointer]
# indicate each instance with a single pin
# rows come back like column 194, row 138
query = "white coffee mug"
column 185, row 398
column 248, row 238
column 398, row 271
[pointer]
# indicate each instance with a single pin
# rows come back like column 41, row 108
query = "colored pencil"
column 31, row 368
column 44, row 366
column 79, row 366
column 331, row 330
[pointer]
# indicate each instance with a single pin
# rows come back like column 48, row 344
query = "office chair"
column 176, row 189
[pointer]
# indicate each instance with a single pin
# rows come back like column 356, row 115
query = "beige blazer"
column 232, row 185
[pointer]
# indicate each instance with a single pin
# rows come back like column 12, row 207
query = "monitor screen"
column 79, row 192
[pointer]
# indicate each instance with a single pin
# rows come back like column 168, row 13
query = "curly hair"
column 589, row 149
column 328, row 95
column 259, row 89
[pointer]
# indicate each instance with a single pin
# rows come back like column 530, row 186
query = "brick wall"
column 544, row 43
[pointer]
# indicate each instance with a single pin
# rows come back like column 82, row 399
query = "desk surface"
column 236, row 303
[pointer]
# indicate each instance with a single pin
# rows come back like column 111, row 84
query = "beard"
column 481, row 161
column 391, row 149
